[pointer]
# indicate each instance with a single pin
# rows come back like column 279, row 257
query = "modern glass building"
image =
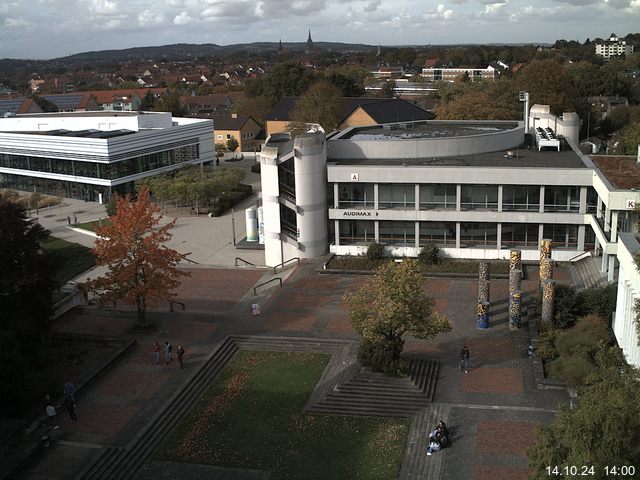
column 89, row 155
column 475, row 188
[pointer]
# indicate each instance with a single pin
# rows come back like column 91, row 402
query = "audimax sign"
column 359, row 213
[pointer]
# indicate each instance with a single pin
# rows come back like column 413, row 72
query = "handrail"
column 243, row 260
column 268, row 281
column 285, row 262
column 587, row 253
column 177, row 303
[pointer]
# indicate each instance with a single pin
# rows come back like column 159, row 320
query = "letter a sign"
column 355, row 177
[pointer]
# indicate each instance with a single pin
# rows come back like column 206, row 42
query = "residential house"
column 73, row 102
column 356, row 112
column 241, row 127
column 206, row 105
column 17, row 105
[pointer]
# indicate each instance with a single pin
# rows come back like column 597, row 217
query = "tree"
column 320, row 104
column 387, row 89
column 232, row 144
column 288, row 79
column 27, row 283
column 112, row 204
column 171, row 103
column 548, row 84
column 631, row 138
column 221, row 148
column 604, row 429
column 148, row 102
column 141, row 270
column 390, row 304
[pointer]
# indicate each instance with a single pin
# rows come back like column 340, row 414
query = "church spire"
column 309, row 41
column 280, row 46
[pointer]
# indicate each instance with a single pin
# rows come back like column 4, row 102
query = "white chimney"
column 638, row 157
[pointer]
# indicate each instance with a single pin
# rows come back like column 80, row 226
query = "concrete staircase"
column 364, row 393
column 416, row 464
column 586, row 273
column 343, row 389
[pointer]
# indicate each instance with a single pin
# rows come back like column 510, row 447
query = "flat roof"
column 92, row 113
column 430, row 129
column 89, row 133
column 523, row 156
column 623, row 172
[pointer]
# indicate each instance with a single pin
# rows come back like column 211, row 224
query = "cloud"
column 578, row 2
column 440, row 13
column 149, row 17
column 372, row 6
column 104, row 7
column 182, row 19
column 16, row 22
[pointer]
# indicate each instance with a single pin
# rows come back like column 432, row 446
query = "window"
column 356, row 232
column 228, row 136
column 562, row 199
column 439, row 196
column 562, row 236
column 479, row 197
column 519, row 235
column 520, row 198
column 440, row 233
column 355, row 195
column 219, row 136
column 478, row 235
column 398, row 233
column 286, row 177
column 401, row 195
column 288, row 222
column 592, row 200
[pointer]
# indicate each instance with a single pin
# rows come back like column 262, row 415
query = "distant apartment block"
column 446, row 74
column 613, row 47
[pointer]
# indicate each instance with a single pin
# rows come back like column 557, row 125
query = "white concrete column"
column 541, row 210
column 612, row 268
column 599, row 208
column 540, row 233
column 336, row 233
column 583, row 200
column 614, row 226
column 376, row 231
column 375, row 199
column 458, row 231
column 417, row 198
column 581, row 233
column 417, row 242
column 603, row 263
column 458, row 201
column 607, row 219
column 336, row 196
column 499, row 203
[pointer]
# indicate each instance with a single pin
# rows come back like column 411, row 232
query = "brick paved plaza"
column 493, row 409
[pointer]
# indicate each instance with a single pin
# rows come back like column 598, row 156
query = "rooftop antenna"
column 524, row 97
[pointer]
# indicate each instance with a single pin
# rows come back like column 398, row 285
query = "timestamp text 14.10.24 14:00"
column 623, row 471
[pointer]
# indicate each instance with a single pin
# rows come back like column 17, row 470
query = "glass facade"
column 441, row 233
column 396, row 195
column 562, row 236
column 355, row 195
column 520, row 198
column 287, row 177
column 108, row 171
column 356, row 232
column 519, row 235
column 479, row 197
column 398, row 233
column 438, row 196
column 478, row 235
column 288, row 222
column 562, row 199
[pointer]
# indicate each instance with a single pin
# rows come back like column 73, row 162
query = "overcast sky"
column 55, row 28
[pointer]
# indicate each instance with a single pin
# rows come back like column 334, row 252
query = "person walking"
column 167, row 352
column 69, row 389
column 464, row 359
column 50, row 410
column 156, row 352
column 180, row 355
column 70, row 405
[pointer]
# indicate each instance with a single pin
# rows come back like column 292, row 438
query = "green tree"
column 171, row 103
column 631, row 138
column 548, row 84
column 232, row 144
column 221, row 148
column 387, row 89
column 112, row 204
column 603, row 430
column 287, row 79
column 27, row 283
column 320, row 104
column 148, row 102
column 347, row 86
column 389, row 305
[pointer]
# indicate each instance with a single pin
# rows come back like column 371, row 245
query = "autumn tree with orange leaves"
column 141, row 270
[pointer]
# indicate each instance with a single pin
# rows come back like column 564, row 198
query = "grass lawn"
column 93, row 225
column 72, row 259
column 252, row 418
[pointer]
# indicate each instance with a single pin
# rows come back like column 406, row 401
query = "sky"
column 41, row 29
